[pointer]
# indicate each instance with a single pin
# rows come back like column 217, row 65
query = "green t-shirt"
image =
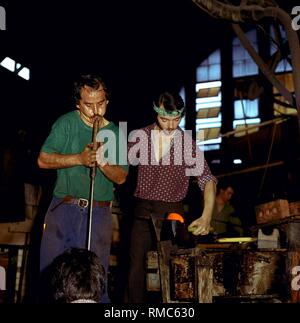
column 70, row 135
column 225, row 221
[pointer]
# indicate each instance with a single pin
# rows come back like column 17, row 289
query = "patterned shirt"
column 162, row 180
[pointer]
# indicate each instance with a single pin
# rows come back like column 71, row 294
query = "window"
column 243, row 64
column 284, row 75
column 283, row 65
column 208, row 102
column 210, row 69
column 281, row 105
column 209, row 96
column 244, row 109
column 245, row 116
column 209, row 117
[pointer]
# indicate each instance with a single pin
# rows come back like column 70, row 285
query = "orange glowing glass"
column 175, row 217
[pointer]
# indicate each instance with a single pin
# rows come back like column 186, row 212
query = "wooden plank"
column 205, row 284
column 183, row 277
column 293, row 235
column 164, row 250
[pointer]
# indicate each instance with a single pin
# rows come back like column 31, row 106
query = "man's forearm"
column 114, row 172
column 57, row 161
column 202, row 224
column 209, row 199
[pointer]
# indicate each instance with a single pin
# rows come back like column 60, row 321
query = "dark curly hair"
column 92, row 80
column 77, row 274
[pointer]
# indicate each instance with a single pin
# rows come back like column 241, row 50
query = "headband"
column 165, row 113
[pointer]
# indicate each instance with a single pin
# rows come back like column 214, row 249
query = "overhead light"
column 24, row 73
column 216, row 161
column 9, row 64
column 16, row 68
column 237, row 161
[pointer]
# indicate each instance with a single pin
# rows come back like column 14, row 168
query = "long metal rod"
column 250, row 127
column 92, row 183
column 252, row 169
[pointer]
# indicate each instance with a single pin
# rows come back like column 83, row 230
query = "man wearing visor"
column 166, row 157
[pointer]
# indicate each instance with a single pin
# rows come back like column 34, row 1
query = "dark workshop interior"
column 236, row 67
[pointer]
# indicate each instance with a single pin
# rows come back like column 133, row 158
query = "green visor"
column 165, row 113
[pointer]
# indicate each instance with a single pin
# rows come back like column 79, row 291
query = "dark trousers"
column 143, row 239
column 66, row 227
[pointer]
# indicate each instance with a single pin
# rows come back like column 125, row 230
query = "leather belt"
column 81, row 202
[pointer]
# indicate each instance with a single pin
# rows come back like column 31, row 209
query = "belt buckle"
column 83, row 202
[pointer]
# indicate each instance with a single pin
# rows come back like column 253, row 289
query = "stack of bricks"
column 272, row 211
column 295, row 208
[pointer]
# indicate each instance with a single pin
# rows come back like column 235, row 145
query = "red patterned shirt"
column 161, row 181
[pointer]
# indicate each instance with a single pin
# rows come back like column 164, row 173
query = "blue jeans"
column 66, row 227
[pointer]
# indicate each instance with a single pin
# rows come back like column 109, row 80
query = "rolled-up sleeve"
column 205, row 177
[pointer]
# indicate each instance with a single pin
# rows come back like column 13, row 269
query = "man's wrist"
column 206, row 216
column 103, row 165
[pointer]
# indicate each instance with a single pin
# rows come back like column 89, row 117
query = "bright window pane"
column 210, row 69
column 214, row 72
column 243, row 64
column 215, row 57
column 245, row 109
column 202, row 74
column 283, row 66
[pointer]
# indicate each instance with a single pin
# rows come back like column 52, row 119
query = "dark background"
column 139, row 47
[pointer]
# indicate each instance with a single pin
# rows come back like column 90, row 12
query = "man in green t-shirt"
column 68, row 149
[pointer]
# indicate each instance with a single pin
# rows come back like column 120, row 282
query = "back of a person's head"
column 78, row 275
